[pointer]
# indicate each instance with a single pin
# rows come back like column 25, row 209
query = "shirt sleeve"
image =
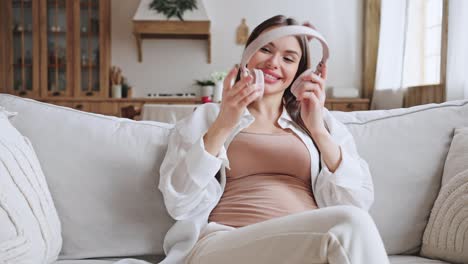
column 187, row 173
column 351, row 183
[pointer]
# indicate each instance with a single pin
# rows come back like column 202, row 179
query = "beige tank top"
column 269, row 177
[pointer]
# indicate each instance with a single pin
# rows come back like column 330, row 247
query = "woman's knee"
column 356, row 217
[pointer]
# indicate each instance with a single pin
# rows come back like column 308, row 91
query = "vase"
column 116, row 91
column 218, row 92
column 207, row 90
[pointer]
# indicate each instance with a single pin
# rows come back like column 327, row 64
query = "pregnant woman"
column 269, row 175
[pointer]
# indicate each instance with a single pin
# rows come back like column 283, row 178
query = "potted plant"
column 207, row 87
column 172, row 8
column 218, row 78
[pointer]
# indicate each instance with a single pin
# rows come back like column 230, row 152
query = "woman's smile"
column 270, row 76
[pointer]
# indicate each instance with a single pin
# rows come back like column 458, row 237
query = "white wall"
column 171, row 66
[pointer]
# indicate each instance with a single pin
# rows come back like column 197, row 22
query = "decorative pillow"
column 446, row 234
column 29, row 225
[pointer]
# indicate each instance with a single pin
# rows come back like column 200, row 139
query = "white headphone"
column 276, row 33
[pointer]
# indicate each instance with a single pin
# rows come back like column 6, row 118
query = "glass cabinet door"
column 56, row 51
column 89, row 47
column 21, row 48
column 93, row 48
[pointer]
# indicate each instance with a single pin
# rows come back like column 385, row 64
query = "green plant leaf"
column 171, row 8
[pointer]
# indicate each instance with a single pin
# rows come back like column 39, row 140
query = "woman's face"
column 279, row 61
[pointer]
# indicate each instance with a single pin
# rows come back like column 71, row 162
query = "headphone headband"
column 279, row 32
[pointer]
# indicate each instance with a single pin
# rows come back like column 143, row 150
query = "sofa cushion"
column 103, row 173
column 29, row 225
column 406, row 151
column 86, row 261
column 457, row 158
column 446, row 235
column 410, row 260
column 136, row 260
column 393, row 260
column 130, row 260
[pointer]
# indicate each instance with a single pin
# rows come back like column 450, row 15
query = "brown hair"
column 289, row 100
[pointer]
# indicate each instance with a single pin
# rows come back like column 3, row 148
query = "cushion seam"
column 402, row 114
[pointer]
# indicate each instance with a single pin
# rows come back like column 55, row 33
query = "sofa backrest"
column 406, row 151
column 102, row 173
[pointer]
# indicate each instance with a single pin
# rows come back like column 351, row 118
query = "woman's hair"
column 292, row 106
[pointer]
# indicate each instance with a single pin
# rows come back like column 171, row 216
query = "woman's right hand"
column 235, row 99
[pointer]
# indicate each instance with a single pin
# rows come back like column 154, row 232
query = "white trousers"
column 335, row 235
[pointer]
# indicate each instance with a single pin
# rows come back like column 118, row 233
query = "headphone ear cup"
column 318, row 69
column 297, row 83
column 259, row 81
column 245, row 72
column 295, row 86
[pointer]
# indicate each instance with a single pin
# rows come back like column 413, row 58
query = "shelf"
column 167, row 29
column 56, row 32
column 89, row 65
column 22, row 91
column 57, row 65
column 149, row 24
column 89, row 35
column 15, row 32
column 22, row 65
column 53, row 6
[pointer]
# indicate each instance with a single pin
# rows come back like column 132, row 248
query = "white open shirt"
column 191, row 191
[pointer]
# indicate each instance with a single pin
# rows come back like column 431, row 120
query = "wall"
column 171, row 66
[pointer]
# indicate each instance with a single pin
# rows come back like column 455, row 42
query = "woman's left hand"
column 312, row 96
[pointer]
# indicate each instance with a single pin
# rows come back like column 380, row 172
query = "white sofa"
column 102, row 173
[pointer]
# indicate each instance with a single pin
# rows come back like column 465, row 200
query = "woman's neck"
column 268, row 107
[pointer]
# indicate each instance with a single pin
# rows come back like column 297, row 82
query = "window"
column 423, row 43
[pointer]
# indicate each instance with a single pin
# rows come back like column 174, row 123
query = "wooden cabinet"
column 55, row 48
column 348, row 105
column 105, row 108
